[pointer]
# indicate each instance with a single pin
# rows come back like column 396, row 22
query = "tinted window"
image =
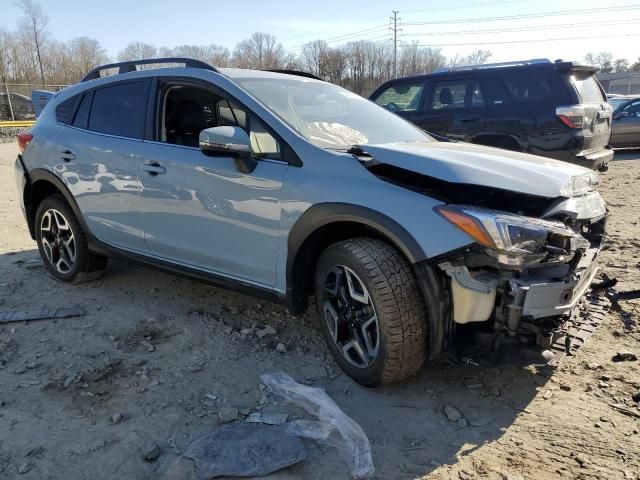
column 588, row 89
column 120, row 109
column 403, row 97
column 82, row 115
column 527, row 86
column 456, row 94
column 633, row 110
column 66, row 109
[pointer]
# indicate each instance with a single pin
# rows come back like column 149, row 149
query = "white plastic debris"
column 333, row 426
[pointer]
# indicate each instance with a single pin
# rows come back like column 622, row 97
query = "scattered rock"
column 548, row 394
column 565, row 387
column 246, row 331
column 636, row 396
column 452, row 414
column 580, row 460
column 625, row 356
column 147, row 345
column 20, row 370
column 227, row 414
column 593, row 366
column 268, row 418
column 268, row 330
column 602, row 384
column 195, row 368
column 472, row 383
column 116, row 418
column 281, row 348
column 462, row 423
column 152, row 453
column 480, row 422
column 24, row 468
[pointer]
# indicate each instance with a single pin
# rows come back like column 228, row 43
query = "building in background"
column 623, row 83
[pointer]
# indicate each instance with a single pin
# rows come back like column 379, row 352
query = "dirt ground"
column 158, row 358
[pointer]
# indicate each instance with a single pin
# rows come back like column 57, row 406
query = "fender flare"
column 324, row 214
column 41, row 174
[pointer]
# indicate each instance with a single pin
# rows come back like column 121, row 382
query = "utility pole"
column 395, row 30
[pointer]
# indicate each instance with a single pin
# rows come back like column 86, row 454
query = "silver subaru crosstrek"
column 288, row 187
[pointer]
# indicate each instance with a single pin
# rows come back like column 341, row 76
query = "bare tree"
column 137, row 51
column 478, row 57
column 212, row 54
column 602, row 60
column 621, row 65
column 260, row 51
column 36, row 22
column 313, row 57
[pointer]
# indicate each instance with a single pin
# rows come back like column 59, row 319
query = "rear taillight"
column 23, row 140
column 572, row 116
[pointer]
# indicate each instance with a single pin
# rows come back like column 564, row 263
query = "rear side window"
column 528, row 86
column 456, row 94
column 81, row 119
column 66, row 109
column 587, row 87
column 403, row 97
column 120, row 109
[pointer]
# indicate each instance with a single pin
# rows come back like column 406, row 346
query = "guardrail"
column 16, row 123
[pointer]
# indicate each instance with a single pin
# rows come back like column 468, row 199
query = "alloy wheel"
column 58, row 241
column 350, row 316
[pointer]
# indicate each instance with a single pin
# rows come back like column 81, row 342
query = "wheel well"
column 499, row 141
column 33, row 195
column 301, row 283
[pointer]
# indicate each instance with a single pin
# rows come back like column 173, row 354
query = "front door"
column 625, row 128
column 454, row 108
column 201, row 211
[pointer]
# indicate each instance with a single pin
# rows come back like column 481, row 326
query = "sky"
column 511, row 29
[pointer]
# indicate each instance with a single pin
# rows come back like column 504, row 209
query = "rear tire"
column 364, row 278
column 63, row 245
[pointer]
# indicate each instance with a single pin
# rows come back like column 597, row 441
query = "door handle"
column 469, row 119
column 153, row 168
column 67, row 155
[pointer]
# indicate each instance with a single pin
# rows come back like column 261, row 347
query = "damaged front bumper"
column 522, row 302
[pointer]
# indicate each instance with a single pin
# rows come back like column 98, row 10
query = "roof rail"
column 299, row 73
column 534, row 61
column 130, row 66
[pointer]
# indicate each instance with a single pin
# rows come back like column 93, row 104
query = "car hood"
column 465, row 163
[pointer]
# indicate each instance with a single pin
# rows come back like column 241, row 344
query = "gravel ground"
column 159, row 360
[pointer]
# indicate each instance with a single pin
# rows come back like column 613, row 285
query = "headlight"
column 580, row 185
column 514, row 239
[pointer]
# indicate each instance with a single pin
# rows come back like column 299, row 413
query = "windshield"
column 330, row 116
column 616, row 102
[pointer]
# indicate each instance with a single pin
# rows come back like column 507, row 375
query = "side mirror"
column 225, row 142
column 228, row 142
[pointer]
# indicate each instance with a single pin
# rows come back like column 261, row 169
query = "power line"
column 532, row 15
column 346, row 36
column 519, row 29
column 504, row 42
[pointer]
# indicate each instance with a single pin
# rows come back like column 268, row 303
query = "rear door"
column 454, row 108
column 96, row 154
column 597, row 120
column 403, row 97
column 625, row 129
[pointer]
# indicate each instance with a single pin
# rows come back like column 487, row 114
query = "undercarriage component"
column 573, row 333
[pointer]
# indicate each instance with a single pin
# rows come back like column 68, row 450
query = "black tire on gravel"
column 399, row 307
column 87, row 265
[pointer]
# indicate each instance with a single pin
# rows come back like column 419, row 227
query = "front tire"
column 371, row 311
column 62, row 244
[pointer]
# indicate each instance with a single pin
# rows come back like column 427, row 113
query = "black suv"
column 554, row 109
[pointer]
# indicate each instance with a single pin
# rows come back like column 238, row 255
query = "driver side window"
column 633, row 110
column 186, row 110
column 404, row 97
